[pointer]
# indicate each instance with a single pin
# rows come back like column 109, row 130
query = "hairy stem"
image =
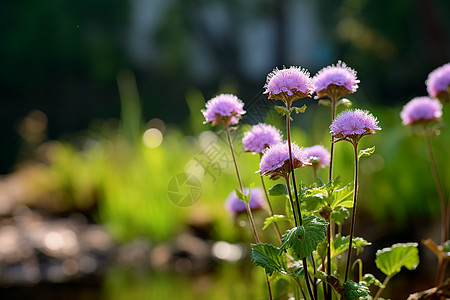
column 288, row 185
column 330, row 177
column 438, row 186
column 291, row 162
column 247, row 206
column 352, row 226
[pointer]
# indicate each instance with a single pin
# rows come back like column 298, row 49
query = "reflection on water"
column 126, row 283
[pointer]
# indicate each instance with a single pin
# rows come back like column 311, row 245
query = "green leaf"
column 325, row 102
column 314, row 201
column 271, row 258
column 282, row 110
column 366, row 152
column 342, row 197
column 296, row 270
column 355, row 291
column 275, row 219
column 304, row 239
column 391, row 260
column 341, row 244
column 446, row 246
column 321, row 275
column 370, row 279
column 345, row 102
column 278, row 190
column 298, row 109
column 241, row 196
column 339, row 214
column 322, row 248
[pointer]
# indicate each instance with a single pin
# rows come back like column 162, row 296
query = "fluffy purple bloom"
column 225, row 109
column 288, row 84
column 318, row 155
column 354, row 124
column 438, row 83
column 421, row 110
column 335, row 81
column 259, row 137
column 236, row 206
column 275, row 160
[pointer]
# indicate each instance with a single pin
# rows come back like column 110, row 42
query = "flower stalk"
column 439, row 189
column 249, row 212
column 297, row 202
column 352, row 224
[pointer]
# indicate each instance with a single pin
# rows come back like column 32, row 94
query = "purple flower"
column 353, row 124
column 288, row 84
column 225, row 109
column 318, row 155
column 275, row 160
column 438, row 83
column 259, row 137
column 335, row 81
column 236, row 206
column 421, row 110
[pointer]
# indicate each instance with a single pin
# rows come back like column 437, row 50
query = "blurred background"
column 100, row 117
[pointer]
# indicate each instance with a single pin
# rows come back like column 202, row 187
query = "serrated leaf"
column 370, row 279
column 391, row 260
column 281, row 110
column 304, row 239
column 271, row 258
column 278, row 190
column 366, row 152
column 339, row 214
column 341, row 244
column 355, row 291
column 342, row 197
column 298, row 109
column 275, row 219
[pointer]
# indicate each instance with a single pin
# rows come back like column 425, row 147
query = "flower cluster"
column 260, row 137
column 275, row 160
column 353, row 124
column 421, row 110
column 288, row 84
column 335, row 81
column 438, row 83
column 235, row 206
column 224, row 109
column 318, row 155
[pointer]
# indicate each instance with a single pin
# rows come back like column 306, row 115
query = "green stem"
column 330, row 177
column 352, row 226
column 288, row 185
column 291, row 162
column 438, row 186
column 385, row 282
column 301, row 288
column 247, row 206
